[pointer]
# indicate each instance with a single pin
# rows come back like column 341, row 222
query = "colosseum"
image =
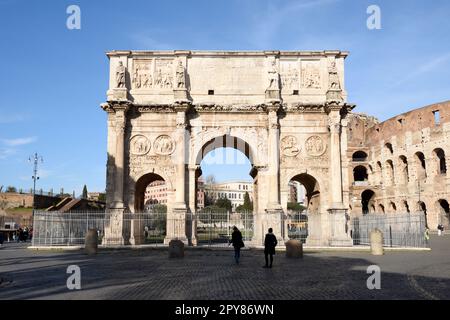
column 401, row 164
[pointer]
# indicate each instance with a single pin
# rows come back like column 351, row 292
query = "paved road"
column 202, row 274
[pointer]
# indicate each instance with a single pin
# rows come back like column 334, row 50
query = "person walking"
column 236, row 240
column 427, row 235
column 270, row 242
column 440, row 228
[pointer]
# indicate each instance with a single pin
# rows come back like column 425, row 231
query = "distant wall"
column 15, row 200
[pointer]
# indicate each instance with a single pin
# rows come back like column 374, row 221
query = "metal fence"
column 151, row 228
column 399, row 230
column 297, row 225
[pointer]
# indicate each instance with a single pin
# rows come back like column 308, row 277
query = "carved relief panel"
column 311, row 75
column 152, row 74
column 147, row 151
column 289, row 73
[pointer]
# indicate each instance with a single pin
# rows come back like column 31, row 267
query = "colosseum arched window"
column 441, row 165
column 360, row 174
column 444, row 213
column 392, row 207
column 359, row 156
column 389, row 172
column 381, row 208
column 403, row 170
column 420, row 165
column 389, row 147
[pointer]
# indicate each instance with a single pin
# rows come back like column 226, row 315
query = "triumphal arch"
column 286, row 111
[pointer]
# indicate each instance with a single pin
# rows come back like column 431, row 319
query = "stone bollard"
column 376, row 242
column 176, row 249
column 91, row 242
column 294, row 249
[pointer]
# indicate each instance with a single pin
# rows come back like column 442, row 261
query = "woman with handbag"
column 236, row 240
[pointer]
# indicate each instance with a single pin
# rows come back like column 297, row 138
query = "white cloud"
column 19, row 141
column 5, row 153
column 429, row 66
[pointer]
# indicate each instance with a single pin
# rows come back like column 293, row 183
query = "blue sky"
column 54, row 79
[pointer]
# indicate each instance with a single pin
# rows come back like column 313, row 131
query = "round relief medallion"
column 289, row 146
column 315, row 146
column 164, row 145
column 139, row 145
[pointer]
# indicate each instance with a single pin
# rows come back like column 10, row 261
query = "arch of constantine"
column 287, row 112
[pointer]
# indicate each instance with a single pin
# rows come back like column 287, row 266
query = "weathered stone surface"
column 91, row 242
column 294, row 249
column 376, row 242
column 176, row 249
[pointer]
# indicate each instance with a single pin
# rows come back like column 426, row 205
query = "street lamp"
column 35, row 159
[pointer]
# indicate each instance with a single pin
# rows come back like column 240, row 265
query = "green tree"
column 11, row 189
column 84, row 194
column 102, row 197
column 294, row 206
column 223, row 203
column 248, row 204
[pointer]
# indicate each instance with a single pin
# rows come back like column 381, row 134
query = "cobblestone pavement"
column 205, row 274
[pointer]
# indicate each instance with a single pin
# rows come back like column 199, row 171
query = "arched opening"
column 403, row 169
column 359, row 156
column 360, row 174
column 421, row 207
column 380, row 172
column 150, row 209
column 303, row 201
column 367, row 201
column 389, row 147
column 444, row 213
column 150, row 191
column 390, row 172
column 381, row 208
column 392, row 207
column 225, row 190
column 420, row 165
column 406, row 206
column 440, row 161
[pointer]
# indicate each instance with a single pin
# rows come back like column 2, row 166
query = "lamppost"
column 35, row 159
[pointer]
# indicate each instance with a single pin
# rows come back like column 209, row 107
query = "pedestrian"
column 236, row 240
column 1, row 238
column 270, row 242
column 440, row 228
column 427, row 234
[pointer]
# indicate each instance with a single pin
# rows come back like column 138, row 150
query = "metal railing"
column 297, row 225
column 150, row 228
column 399, row 230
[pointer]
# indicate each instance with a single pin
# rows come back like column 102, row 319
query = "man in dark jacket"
column 270, row 242
column 236, row 240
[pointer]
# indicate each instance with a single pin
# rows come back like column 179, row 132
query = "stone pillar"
column 340, row 233
column 176, row 220
column 274, row 214
column 335, row 157
column 193, row 203
column 114, row 232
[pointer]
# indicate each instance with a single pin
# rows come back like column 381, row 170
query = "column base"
column 117, row 94
column 273, row 96
column 340, row 236
column 180, row 95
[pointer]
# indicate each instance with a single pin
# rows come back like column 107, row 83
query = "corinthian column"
column 335, row 156
column 338, row 217
column 119, row 155
column 274, row 159
column 176, row 220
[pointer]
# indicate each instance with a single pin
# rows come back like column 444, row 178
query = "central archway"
column 226, row 202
